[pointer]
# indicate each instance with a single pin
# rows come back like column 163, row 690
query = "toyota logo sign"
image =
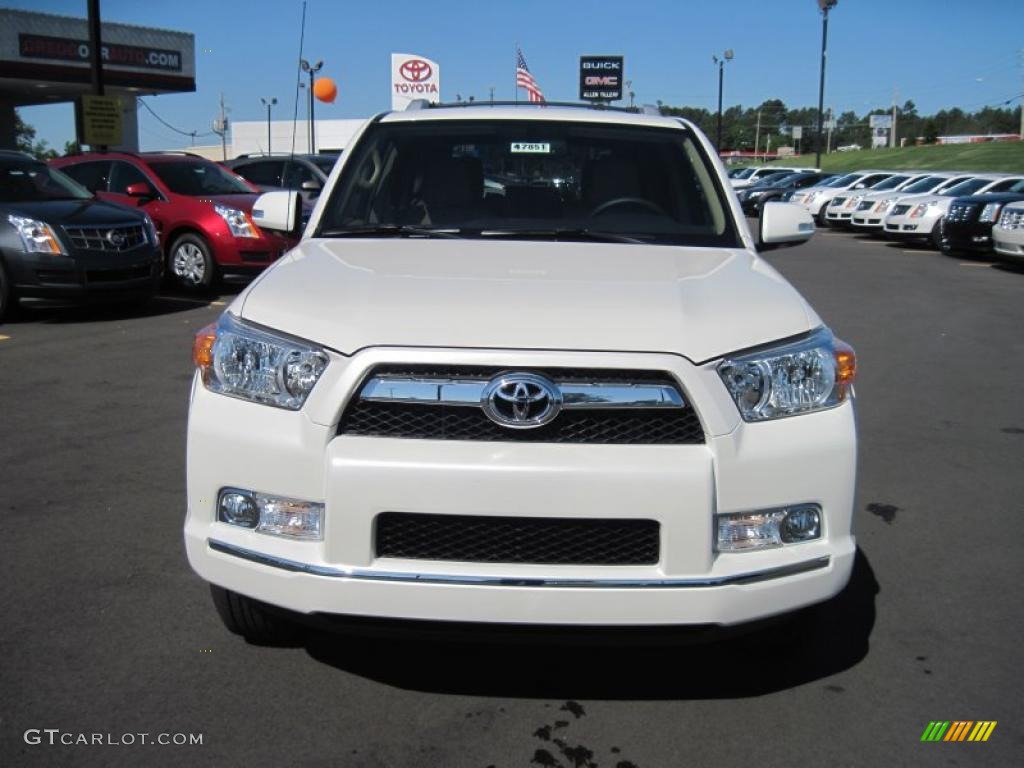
column 416, row 70
column 521, row 400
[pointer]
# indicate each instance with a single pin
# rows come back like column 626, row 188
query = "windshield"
column 197, row 178
column 968, row 187
column 891, row 183
column 843, row 181
column 743, row 173
column 25, row 181
column 530, row 178
column 774, row 178
column 927, row 184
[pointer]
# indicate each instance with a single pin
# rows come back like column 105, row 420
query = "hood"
column 696, row 302
column 87, row 212
column 992, row 197
column 241, row 201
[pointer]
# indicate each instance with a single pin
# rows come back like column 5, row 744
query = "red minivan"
column 202, row 210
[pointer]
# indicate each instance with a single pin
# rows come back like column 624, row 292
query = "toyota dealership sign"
column 413, row 77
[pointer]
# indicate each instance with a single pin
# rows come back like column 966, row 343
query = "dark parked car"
column 968, row 224
column 57, row 240
column 201, row 210
column 306, row 174
column 752, row 199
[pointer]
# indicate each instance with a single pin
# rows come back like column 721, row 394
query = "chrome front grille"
column 122, row 238
column 598, row 406
column 899, row 210
column 837, row 201
column 1012, row 219
column 865, row 205
column 960, row 212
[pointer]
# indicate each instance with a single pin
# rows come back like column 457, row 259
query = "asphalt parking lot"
column 106, row 629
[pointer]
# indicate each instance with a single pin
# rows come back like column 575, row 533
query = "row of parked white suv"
column 899, row 204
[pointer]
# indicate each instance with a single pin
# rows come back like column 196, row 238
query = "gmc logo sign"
column 601, row 78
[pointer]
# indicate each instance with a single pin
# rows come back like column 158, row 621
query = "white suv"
column 576, row 396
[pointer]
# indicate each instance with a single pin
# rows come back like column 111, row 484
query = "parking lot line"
column 4, row 338
column 975, row 264
column 187, row 300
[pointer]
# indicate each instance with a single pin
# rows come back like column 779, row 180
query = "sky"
column 936, row 52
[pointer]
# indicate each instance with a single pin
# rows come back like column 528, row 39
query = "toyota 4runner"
column 525, row 366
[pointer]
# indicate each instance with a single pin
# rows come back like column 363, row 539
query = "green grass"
column 999, row 156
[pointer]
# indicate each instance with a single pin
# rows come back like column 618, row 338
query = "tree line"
column 740, row 124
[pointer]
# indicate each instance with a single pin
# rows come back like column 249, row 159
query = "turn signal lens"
column 202, row 346
column 846, row 363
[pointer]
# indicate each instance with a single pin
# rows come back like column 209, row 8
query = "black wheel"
column 820, row 218
column 190, row 263
column 251, row 619
column 937, row 236
column 8, row 301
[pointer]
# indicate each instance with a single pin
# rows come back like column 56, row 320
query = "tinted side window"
column 93, row 176
column 266, row 173
column 296, row 175
column 123, row 174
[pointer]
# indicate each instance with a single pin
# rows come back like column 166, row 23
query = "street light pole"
column 268, row 103
column 312, row 69
column 826, row 6
column 727, row 56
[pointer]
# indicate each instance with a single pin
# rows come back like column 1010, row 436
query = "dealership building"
column 44, row 59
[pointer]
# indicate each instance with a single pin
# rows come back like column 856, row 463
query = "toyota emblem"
column 416, row 70
column 521, row 400
column 115, row 238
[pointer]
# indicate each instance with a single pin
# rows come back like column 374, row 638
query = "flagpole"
column 515, row 77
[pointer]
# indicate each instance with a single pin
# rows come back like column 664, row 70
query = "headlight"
column 238, row 221
column 254, row 364
column 799, row 377
column 151, row 232
column 990, row 212
column 884, row 205
column 36, row 236
column 922, row 210
column 854, row 201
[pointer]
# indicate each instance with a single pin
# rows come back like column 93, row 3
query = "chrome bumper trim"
column 506, row 581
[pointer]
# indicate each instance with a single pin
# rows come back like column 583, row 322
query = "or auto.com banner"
column 413, row 77
column 68, row 49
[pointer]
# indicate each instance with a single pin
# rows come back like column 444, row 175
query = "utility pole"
column 757, row 135
column 892, row 128
column 825, row 6
column 96, row 53
column 727, row 56
column 268, row 103
column 312, row 69
column 220, row 126
column 831, row 125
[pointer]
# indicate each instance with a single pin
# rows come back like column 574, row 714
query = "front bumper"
column 973, row 237
column 84, row 276
column 1009, row 243
column 247, row 254
column 741, row 467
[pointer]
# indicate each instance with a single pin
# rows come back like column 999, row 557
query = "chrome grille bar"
column 575, row 395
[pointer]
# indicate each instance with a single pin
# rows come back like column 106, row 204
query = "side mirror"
column 784, row 224
column 311, row 186
column 278, row 211
column 140, row 189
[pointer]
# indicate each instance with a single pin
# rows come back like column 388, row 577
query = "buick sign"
column 601, row 78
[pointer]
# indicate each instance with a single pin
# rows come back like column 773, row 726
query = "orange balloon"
column 325, row 90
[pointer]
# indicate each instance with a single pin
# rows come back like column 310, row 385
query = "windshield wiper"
column 391, row 230
column 580, row 233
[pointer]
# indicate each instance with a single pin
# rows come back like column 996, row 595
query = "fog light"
column 801, row 523
column 238, row 508
column 275, row 515
column 743, row 531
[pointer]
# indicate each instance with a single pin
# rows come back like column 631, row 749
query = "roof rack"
column 646, row 109
column 171, row 152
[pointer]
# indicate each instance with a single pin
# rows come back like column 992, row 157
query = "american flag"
column 525, row 80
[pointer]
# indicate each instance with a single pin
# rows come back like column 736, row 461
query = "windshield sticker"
column 531, row 147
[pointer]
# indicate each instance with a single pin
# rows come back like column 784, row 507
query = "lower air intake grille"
column 482, row 539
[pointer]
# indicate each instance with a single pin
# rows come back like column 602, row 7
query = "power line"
column 193, row 134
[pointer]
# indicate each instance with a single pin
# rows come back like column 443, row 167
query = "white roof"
column 483, row 111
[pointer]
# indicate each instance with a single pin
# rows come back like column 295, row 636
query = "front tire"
column 190, row 263
column 937, row 237
column 251, row 619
